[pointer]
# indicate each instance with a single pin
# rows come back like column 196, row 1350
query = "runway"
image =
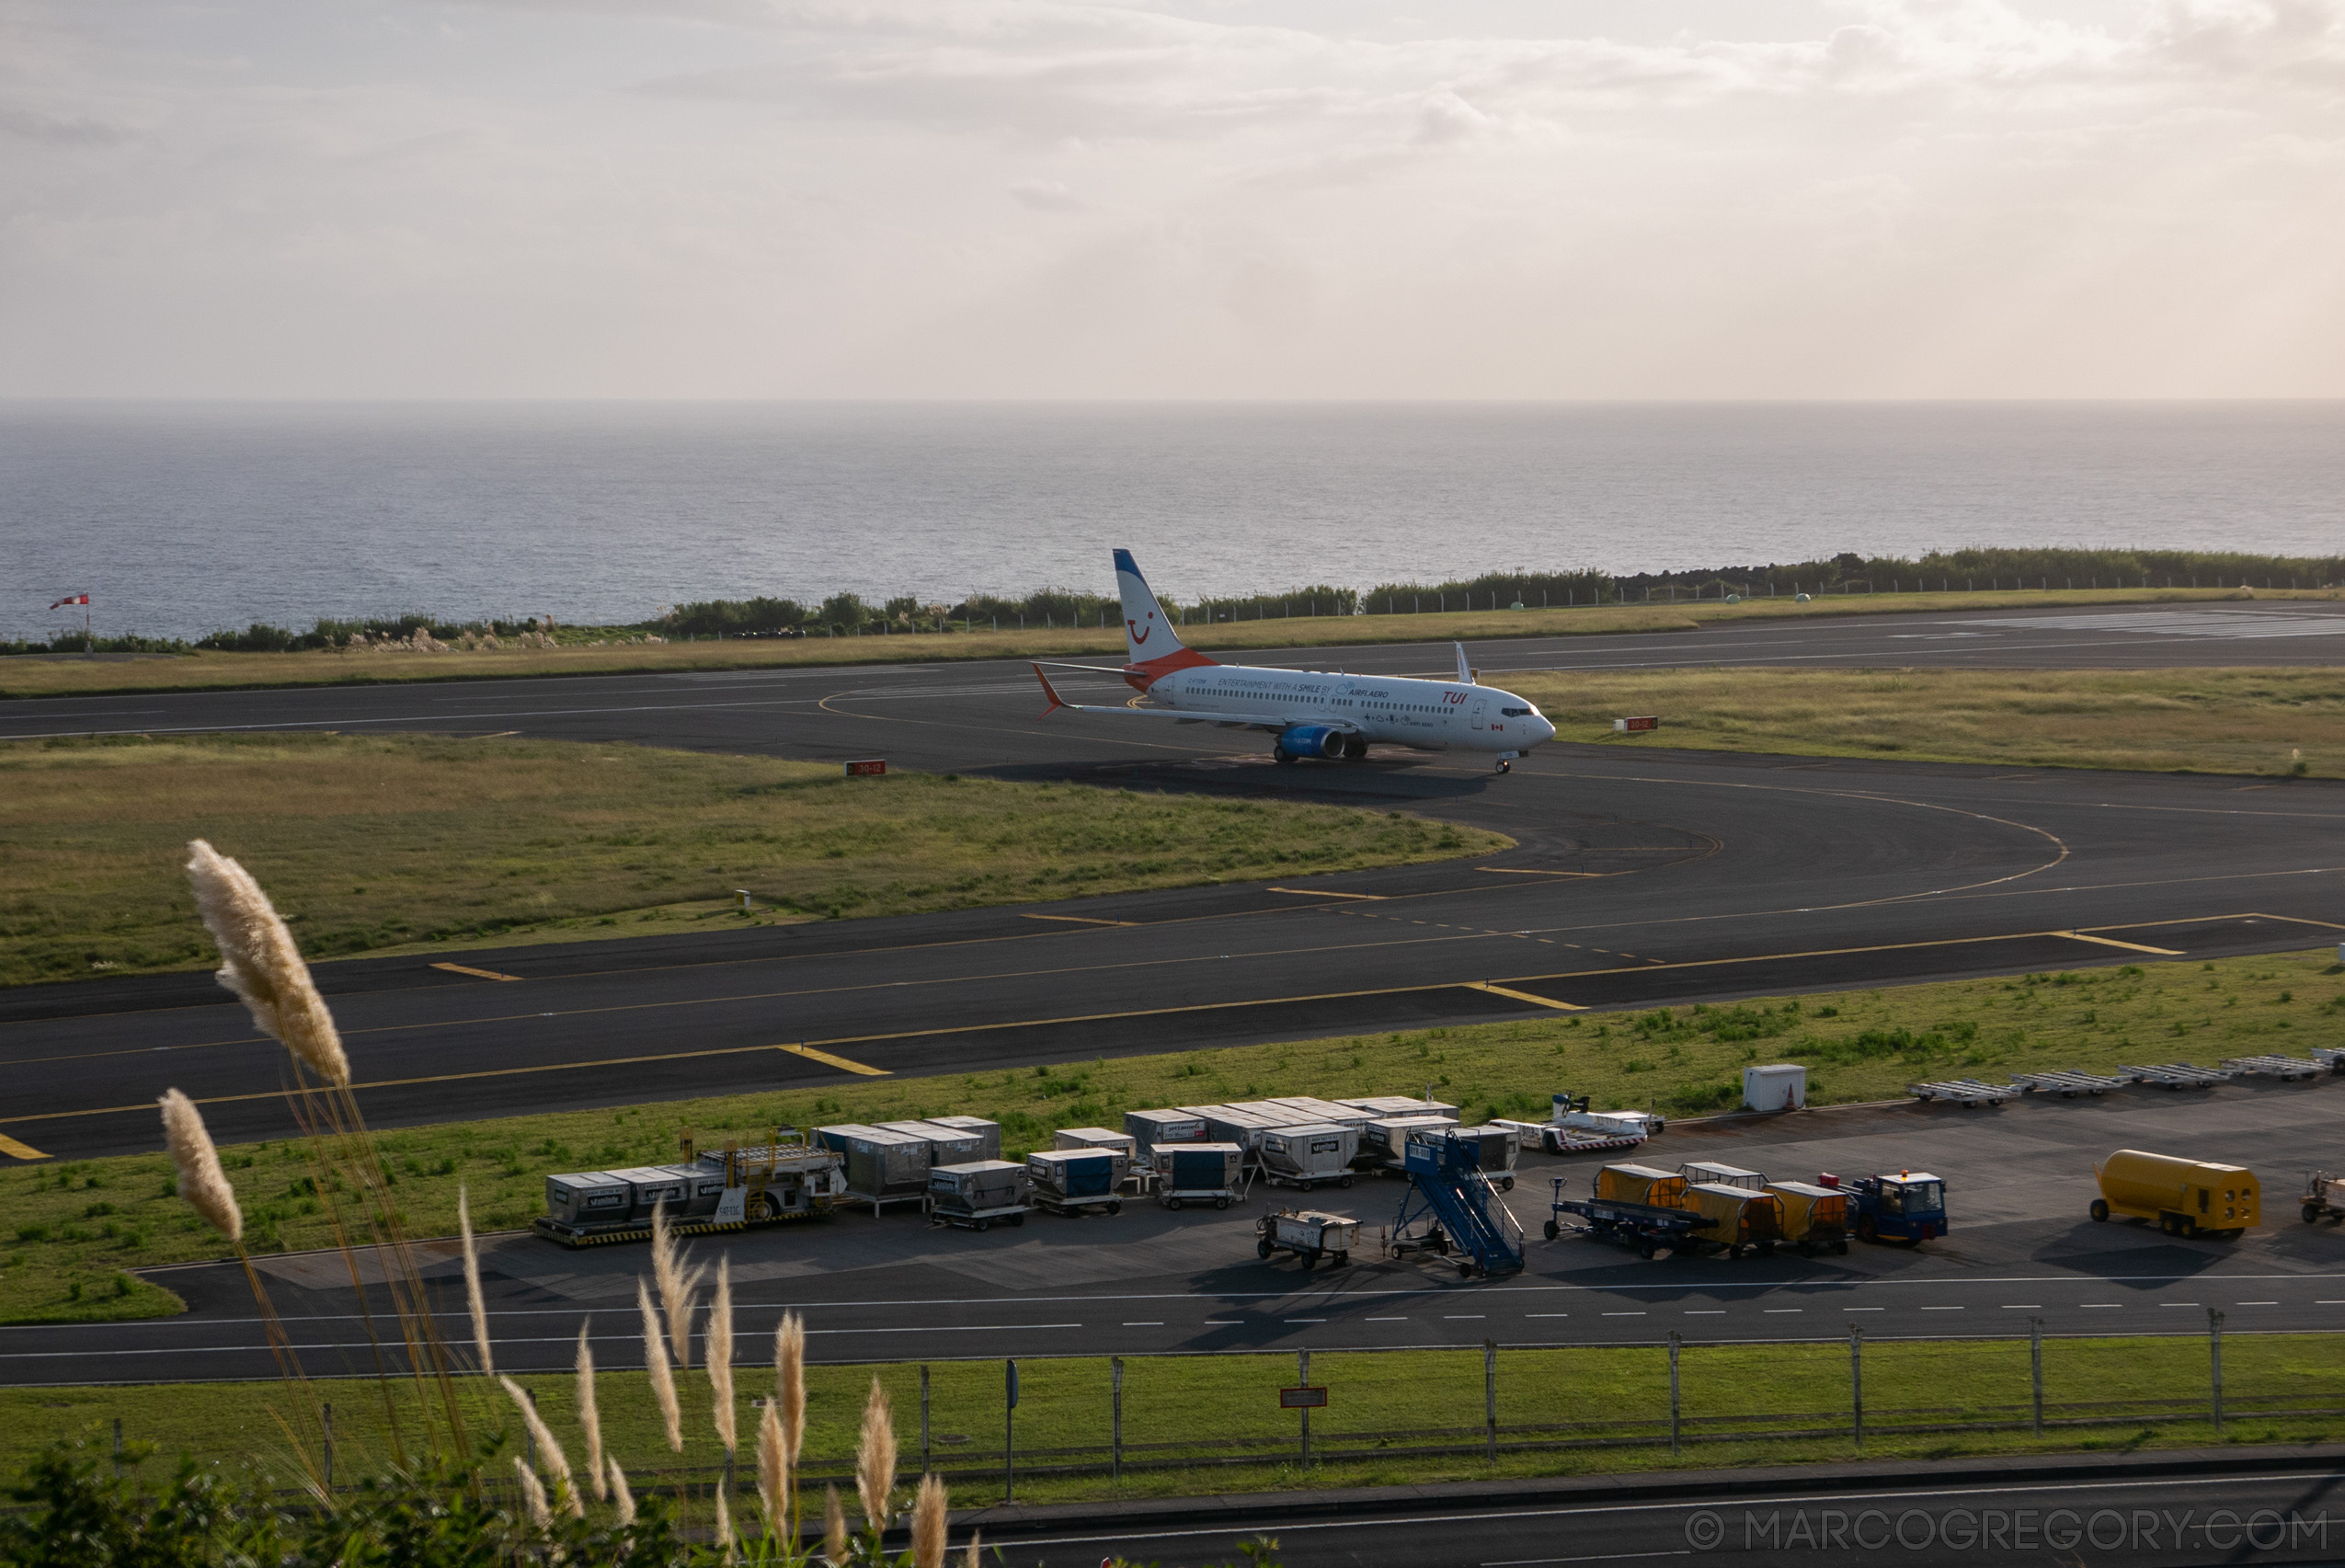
column 1639, row 876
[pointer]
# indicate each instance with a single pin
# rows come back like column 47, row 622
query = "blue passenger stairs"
column 1452, row 1210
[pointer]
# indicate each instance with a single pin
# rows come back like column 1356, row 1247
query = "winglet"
column 1465, row 672
column 1057, row 702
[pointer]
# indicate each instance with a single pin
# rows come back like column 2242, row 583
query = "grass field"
column 2269, row 722
column 402, row 844
column 1195, row 1424
column 77, row 1224
column 37, row 677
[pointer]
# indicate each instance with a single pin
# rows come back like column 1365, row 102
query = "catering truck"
column 2187, row 1198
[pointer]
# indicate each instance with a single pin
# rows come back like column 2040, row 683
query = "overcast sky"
column 1304, row 199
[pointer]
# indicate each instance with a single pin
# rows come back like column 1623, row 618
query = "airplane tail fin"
column 1465, row 671
column 1147, row 631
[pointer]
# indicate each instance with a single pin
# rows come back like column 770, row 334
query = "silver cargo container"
column 1310, row 1154
column 1229, row 1124
column 1304, row 1108
column 879, row 1163
column 1401, row 1106
column 989, row 1133
column 1150, row 1128
column 587, row 1198
column 1196, row 1173
column 1094, row 1138
column 977, row 1186
column 946, row 1145
column 1494, row 1147
column 649, row 1187
column 1386, row 1140
column 1077, row 1172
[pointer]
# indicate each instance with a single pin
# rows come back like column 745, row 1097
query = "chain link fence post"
column 1857, row 1382
column 1489, row 1396
column 2214, row 1363
column 2035, row 1367
column 1116, row 1428
column 1675, row 1343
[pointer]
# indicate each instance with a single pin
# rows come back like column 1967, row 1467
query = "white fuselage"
column 1431, row 715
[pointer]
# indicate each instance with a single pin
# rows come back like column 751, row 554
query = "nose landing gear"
column 1506, row 761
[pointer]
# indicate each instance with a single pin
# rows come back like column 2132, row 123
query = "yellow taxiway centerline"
column 15, row 1150
column 479, row 974
column 1524, row 996
column 841, row 1062
column 2112, row 942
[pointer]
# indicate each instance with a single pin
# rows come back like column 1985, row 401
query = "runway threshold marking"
column 842, row 1062
column 2112, row 942
column 1081, row 919
column 481, row 974
column 1524, row 996
column 15, row 1150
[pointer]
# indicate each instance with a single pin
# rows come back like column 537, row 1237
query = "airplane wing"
column 1269, row 721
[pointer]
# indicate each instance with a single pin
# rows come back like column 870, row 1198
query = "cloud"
column 1045, row 196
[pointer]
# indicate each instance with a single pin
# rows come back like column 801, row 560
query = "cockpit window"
column 1518, row 713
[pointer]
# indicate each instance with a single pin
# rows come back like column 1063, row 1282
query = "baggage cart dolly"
column 1310, row 1233
column 2324, row 1196
column 1648, row 1227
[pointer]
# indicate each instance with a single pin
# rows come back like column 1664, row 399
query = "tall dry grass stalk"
column 549, row 1451
column 262, row 965
column 473, row 1298
column 834, row 1525
column 720, row 1357
column 654, row 1361
column 590, row 1418
column 876, row 1457
column 724, row 1523
column 928, row 1524
column 534, row 1495
column 977, row 1555
column 772, row 1470
column 202, row 1181
column 676, row 1287
column 622, row 1499
column 790, row 1381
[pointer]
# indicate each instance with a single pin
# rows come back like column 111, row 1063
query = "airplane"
column 1312, row 713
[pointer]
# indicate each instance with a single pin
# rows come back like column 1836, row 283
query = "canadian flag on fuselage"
column 1152, row 648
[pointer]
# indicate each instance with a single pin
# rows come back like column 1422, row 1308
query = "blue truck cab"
column 1907, row 1207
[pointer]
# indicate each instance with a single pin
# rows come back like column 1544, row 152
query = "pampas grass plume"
column 202, row 1181
column 654, row 1361
column 260, row 963
column 534, row 1495
column 876, row 1457
column 624, row 1499
column 720, row 1356
column 588, row 1416
column 976, row 1558
column 928, row 1524
column 790, row 1377
column 834, row 1525
column 471, row 1281
column 724, row 1523
column 549, row 1451
column 676, row 1287
column 773, row 1470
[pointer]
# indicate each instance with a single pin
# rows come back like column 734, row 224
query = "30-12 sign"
column 1302, row 1398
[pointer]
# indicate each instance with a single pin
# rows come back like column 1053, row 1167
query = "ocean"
column 179, row 519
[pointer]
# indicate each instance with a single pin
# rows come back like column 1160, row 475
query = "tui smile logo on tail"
column 1138, row 636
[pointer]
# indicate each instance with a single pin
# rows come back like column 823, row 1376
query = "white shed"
column 1779, row 1086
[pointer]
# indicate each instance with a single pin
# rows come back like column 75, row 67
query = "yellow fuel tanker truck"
column 2187, row 1198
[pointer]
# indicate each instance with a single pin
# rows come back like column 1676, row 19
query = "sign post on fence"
column 1857, row 1380
column 326, row 1415
column 1009, row 1431
column 2214, row 1359
column 1303, row 1380
column 1489, row 1395
column 1675, row 1342
column 1305, row 1398
column 1116, row 1387
column 2035, row 1367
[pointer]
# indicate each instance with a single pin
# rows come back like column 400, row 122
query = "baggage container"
column 1310, row 1233
column 1228, row 1124
column 1698, row 1172
column 1740, row 1219
column 1384, row 1142
column 1198, row 1172
column 1149, row 1129
column 1094, row 1138
column 1305, row 1156
column 1640, row 1183
column 1075, row 1181
column 946, row 1145
column 587, row 1198
column 977, row 1193
column 1300, row 1108
column 989, row 1133
column 1814, row 1219
column 1401, row 1106
column 2185, row 1196
column 650, row 1186
column 880, row 1164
